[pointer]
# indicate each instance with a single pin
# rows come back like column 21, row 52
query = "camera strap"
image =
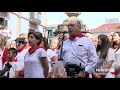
column 8, row 74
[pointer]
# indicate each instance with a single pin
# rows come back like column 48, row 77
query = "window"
column 35, row 15
column 3, row 22
column 31, row 15
column 49, row 33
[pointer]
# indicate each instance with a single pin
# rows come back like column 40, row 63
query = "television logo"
column 101, row 70
column 109, row 73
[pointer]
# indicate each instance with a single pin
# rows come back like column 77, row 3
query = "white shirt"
column 116, row 64
column 15, row 67
column 80, row 50
column 20, row 57
column 32, row 64
column 1, row 53
column 50, row 54
column 101, row 63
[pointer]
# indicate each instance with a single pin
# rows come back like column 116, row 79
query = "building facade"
column 16, row 23
column 111, row 25
column 50, row 32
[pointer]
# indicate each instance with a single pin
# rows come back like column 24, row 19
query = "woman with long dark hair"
column 116, row 47
column 106, row 57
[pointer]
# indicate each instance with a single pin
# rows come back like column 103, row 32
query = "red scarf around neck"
column 14, row 60
column 115, row 45
column 21, row 49
column 32, row 51
column 77, row 35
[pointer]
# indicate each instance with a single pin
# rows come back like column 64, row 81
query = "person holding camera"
column 78, row 51
column 15, row 68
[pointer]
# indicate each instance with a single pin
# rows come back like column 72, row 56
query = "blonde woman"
column 3, row 51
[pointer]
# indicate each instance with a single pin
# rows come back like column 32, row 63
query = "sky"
column 91, row 19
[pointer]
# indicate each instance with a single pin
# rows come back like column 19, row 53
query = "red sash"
column 4, row 56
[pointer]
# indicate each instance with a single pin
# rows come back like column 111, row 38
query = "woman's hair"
column 45, row 41
column 104, row 46
column 37, row 35
column 114, row 43
column 4, row 41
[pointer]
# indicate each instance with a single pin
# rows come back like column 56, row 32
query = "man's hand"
column 81, row 74
column 8, row 65
column 61, row 75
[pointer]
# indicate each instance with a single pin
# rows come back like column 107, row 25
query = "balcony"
column 35, row 18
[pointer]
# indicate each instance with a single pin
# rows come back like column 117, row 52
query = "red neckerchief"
column 115, row 45
column 14, row 60
column 26, row 46
column 32, row 51
column 21, row 49
column 77, row 35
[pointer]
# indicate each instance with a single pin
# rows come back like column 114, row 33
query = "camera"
column 7, row 68
column 73, row 69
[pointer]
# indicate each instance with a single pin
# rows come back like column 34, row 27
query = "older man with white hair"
column 79, row 50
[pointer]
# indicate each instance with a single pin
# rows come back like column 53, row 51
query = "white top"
column 15, row 67
column 20, row 57
column 1, row 53
column 32, row 64
column 117, row 62
column 101, row 63
column 80, row 50
column 50, row 54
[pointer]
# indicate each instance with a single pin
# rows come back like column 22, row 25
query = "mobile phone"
column 58, row 64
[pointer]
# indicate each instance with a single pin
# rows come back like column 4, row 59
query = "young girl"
column 52, row 52
column 35, row 61
column 15, row 69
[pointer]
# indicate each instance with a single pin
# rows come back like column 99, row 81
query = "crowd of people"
column 83, row 55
